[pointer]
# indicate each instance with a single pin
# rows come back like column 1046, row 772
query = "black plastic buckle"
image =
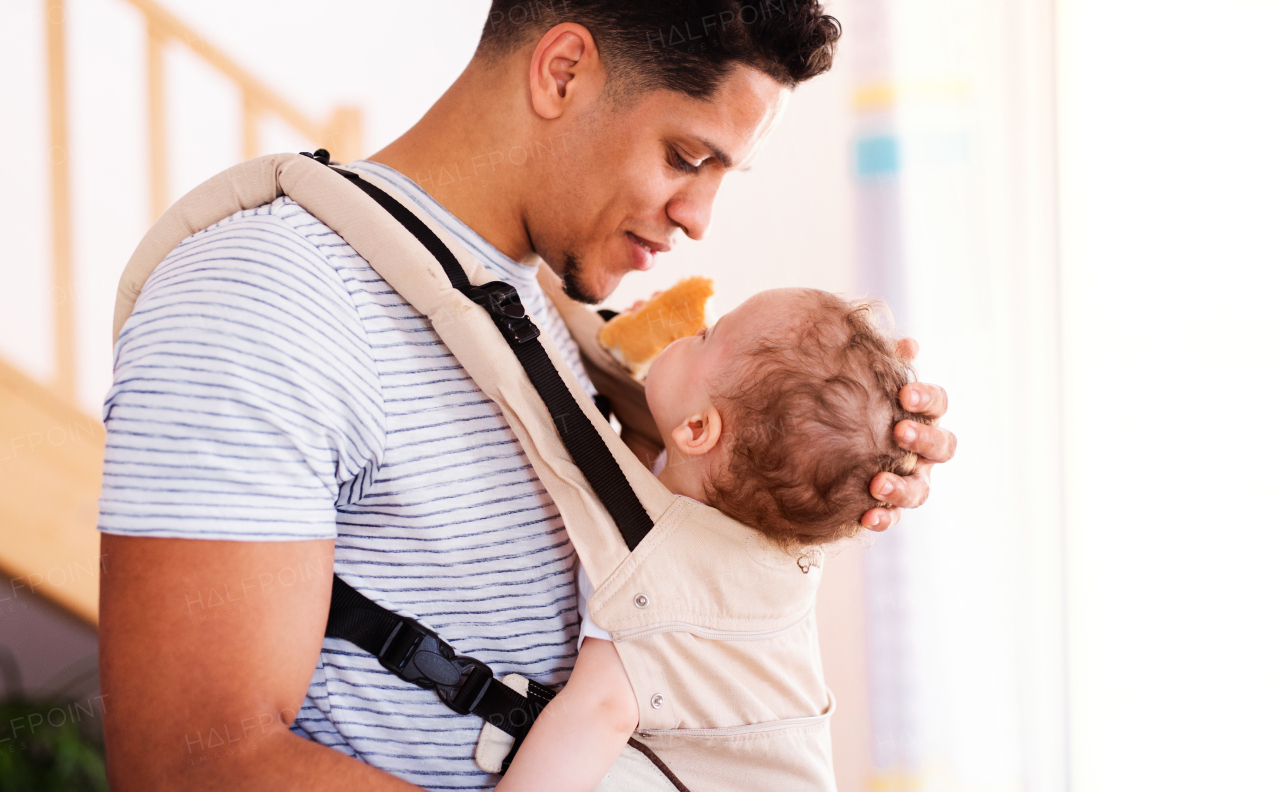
column 463, row 697
column 502, row 301
column 320, row 155
column 417, row 655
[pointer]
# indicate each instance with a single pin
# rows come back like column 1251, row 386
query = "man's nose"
column 691, row 207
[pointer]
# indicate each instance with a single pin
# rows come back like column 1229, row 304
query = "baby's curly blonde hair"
column 808, row 422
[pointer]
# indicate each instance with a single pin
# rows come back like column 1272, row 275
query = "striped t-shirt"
column 270, row 386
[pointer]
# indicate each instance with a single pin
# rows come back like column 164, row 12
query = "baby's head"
column 782, row 413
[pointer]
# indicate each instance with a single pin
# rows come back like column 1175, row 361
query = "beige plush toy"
column 635, row 338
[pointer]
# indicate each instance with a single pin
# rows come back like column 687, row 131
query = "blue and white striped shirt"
column 270, row 386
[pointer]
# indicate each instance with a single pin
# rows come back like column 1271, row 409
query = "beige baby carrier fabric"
column 714, row 625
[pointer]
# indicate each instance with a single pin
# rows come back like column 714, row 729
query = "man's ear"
column 565, row 67
column 698, row 433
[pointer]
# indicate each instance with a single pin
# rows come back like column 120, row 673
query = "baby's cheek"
column 658, row 368
column 655, row 392
column 667, row 388
column 651, row 386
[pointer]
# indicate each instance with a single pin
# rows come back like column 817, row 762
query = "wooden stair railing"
column 340, row 134
column 50, row 451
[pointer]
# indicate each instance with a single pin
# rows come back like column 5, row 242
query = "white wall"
column 965, row 596
column 1089, row 254
column 26, row 301
column 1170, row 127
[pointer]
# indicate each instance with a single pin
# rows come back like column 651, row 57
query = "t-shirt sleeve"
column 589, row 628
column 246, row 395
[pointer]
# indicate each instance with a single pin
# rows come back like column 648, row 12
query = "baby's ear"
column 698, row 433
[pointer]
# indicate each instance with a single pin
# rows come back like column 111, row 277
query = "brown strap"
column 658, row 763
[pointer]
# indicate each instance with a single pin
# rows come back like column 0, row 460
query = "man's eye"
column 680, row 163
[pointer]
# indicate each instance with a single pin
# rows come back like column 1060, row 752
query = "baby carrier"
column 714, row 625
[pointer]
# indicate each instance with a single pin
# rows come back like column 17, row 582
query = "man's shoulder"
column 272, row 272
column 281, row 228
column 277, row 250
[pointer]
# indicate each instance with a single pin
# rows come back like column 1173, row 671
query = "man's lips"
column 643, row 251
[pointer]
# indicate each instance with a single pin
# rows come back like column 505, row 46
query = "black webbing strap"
column 585, row 445
column 403, row 646
column 417, row 654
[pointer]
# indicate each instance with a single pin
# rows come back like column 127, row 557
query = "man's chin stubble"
column 575, row 284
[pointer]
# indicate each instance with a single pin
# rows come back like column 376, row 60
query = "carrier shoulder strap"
column 502, row 302
column 466, row 327
column 625, row 395
column 414, row 652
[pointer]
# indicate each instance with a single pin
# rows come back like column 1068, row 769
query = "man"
column 279, row 412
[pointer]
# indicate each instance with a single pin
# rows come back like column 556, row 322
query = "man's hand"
column 932, row 443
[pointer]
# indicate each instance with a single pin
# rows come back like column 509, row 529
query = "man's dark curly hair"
column 808, row 422
column 688, row 46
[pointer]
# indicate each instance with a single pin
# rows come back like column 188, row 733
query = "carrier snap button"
column 656, row 701
column 642, row 602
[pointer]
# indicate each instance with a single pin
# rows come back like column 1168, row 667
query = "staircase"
column 51, row 469
column 50, row 450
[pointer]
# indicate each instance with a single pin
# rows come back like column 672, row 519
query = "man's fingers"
column 908, row 349
column 880, row 518
column 931, row 442
column 907, row 493
column 919, row 397
column 901, row 493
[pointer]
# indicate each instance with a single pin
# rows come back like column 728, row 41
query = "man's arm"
column 933, row 443
column 206, row 652
column 577, row 738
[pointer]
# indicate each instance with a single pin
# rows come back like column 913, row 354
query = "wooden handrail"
column 340, row 134
column 64, row 334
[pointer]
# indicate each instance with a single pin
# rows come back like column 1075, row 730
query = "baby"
column 779, row 416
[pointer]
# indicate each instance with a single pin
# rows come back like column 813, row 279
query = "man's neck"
column 455, row 152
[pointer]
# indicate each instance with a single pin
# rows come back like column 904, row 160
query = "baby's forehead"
column 784, row 299
column 769, row 327
column 780, row 312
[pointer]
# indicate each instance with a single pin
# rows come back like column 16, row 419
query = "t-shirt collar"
column 501, row 265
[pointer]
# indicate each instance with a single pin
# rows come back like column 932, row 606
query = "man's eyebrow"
column 719, row 154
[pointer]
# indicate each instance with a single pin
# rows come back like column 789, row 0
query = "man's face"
column 637, row 170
